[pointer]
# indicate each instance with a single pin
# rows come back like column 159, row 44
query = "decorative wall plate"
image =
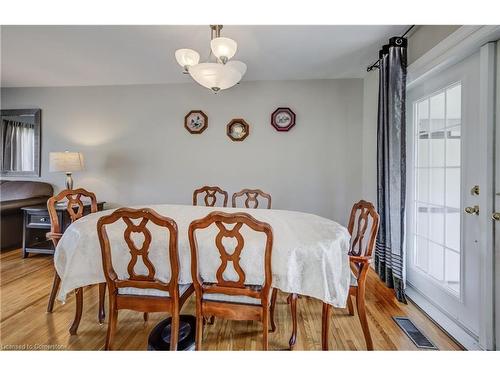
column 238, row 129
column 196, row 122
column 283, row 119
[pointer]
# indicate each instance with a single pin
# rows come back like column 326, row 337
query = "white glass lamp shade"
column 65, row 161
column 223, row 48
column 239, row 66
column 187, row 57
column 215, row 76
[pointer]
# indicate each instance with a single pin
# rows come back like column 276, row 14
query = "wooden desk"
column 37, row 224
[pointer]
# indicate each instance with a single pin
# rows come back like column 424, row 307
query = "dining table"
column 309, row 254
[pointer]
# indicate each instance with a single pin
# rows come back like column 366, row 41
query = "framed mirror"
column 20, row 142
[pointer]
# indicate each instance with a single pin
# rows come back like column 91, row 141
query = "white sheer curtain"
column 19, row 146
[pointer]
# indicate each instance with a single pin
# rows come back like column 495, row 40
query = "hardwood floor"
column 25, row 324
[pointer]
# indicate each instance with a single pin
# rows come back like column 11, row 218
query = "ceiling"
column 122, row 55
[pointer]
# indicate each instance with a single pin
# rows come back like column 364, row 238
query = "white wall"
column 138, row 152
column 370, row 113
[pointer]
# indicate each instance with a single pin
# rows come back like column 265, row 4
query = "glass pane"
column 453, row 187
column 436, row 261
column 452, row 270
column 423, row 185
column 454, row 106
column 423, row 149
column 453, row 229
column 422, row 218
column 437, row 112
column 423, row 116
column 436, row 224
column 437, row 186
column 437, row 143
column 453, row 147
column 422, row 253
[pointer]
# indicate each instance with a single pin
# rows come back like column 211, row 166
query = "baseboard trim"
column 457, row 333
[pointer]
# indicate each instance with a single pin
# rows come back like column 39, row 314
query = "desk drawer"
column 39, row 220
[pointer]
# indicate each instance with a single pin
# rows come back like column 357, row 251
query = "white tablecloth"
column 309, row 255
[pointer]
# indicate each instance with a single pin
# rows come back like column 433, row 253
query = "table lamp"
column 66, row 162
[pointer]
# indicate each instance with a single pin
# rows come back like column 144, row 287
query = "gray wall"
column 137, row 150
column 425, row 37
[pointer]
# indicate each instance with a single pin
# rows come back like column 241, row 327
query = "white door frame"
column 496, row 233
column 487, row 122
column 460, row 44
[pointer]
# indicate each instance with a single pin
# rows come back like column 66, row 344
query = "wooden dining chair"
column 75, row 208
column 230, row 298
column 142, row 292
column 363, row 218
column 210, row 198
column 252, row 197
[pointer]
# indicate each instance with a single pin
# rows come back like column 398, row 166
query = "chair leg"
column 102, row 297
column 78, row 312
column 350, row 306
column 293, row 309
column 53, row 292
column 145, row 317
column 274, row 296
column 325, row 325
column 112, row 321
column 199, row 331
column 265, row 328
column 360, row 304
column 174, row 330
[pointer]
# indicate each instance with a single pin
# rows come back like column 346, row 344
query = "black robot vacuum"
column 159, row 338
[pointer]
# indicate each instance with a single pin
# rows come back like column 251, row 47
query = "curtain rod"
column 375, row 64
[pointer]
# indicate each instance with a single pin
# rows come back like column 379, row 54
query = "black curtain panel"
column 391, row 166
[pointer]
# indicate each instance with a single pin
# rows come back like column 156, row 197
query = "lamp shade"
column 187, row 57
column 239, row 66
column 65, row 161
column 215, row 76
column 223, row 48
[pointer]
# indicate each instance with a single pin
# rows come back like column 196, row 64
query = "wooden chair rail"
column 363, row 216
column 360, row 259
column 74, row 201
column 210, row 198
column 252, row 197
column 206, row 308
column 171, row 304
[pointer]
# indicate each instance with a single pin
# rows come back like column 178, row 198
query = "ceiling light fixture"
column 219, row 74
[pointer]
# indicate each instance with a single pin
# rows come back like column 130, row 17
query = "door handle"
column 496, row 216
column 474, row 210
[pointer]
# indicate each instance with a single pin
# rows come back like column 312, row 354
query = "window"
column 436, row 231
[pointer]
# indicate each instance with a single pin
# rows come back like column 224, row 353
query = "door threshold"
column 457, row 333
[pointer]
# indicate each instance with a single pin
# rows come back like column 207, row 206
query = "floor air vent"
column 414, row 333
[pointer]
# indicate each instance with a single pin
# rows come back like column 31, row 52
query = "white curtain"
column 18, row 146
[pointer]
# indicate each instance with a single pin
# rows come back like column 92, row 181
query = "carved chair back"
column 134, row 280
column 224, row 286
column 252, row 197
column 74, row 207
column 210, row 198
column 364, row 218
